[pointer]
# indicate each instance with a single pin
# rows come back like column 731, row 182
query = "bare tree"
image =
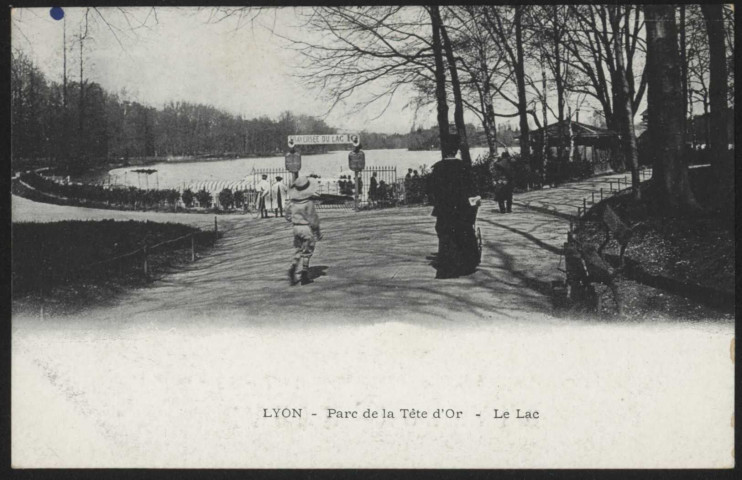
column 623, row 104
column 456, row 87
column 81, row 96
column 484, row 73
column 507, row 33
column 608, row 39
column 388, row 48
column 351, row 48
column 721, row 160
column 440, row 74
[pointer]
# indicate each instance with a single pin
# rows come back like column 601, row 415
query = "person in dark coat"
column 504, row 183
column 373, row 190
column 450, row 188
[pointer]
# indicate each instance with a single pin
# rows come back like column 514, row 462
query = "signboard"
column 293, row 162
column 324, row 139
column 357, row 161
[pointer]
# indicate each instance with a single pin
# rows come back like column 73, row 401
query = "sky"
column 197, row 55
column 186, row 54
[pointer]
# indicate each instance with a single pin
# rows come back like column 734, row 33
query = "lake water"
column 235, row 172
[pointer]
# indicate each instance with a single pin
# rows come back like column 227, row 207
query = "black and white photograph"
column 399, row 236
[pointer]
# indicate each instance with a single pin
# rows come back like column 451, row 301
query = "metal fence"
column 338, row 191
column 616, row 186
column 136, row 262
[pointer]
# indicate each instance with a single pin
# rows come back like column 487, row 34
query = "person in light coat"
column 264, row 190
column 278, row 197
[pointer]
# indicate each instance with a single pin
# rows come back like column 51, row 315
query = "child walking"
column 302, row 213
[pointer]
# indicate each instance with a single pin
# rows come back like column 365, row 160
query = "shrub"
column 204, row 198
column 187, row 197
column 119, row 196
column 483, row 176
column 239, row 198
column 415, row 189
column 171, row 197
column 226, row 198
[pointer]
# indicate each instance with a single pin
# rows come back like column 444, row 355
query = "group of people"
column 413, row 187
column 346, row 185
column 272, row 197
column 379, row 191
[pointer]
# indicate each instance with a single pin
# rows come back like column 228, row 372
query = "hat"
column 279, row 178
column 265, row 176
column 301, row 189
column 450, row 145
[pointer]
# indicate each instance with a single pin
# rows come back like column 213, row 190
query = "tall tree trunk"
column 666, row 115
column 683, row 60
column 520, row 78
column 440, row 75
column 65, row 115
column 545, row 139
column 722, row 160
column 81, row 107
column 488, row 110
column 558, row 79
column 458, row 111
column 488, row 124
column 623, row 110
column 570, row 133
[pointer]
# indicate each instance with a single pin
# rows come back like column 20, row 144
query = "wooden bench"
column 616, row 228
column 585, row 267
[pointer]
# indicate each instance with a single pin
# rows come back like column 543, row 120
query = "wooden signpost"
column 356, row 158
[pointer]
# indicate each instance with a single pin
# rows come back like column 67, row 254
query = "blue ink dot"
column 57, row 13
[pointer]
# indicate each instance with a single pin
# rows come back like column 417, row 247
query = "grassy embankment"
column 678, row 265
column 63, row 265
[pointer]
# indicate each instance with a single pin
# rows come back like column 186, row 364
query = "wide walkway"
column 370, row 267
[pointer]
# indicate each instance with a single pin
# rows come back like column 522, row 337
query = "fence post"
column 193, row 248
column 584, row 204
column 216, row 230
column 593, row 197
column 355, row 193
column 145, row 260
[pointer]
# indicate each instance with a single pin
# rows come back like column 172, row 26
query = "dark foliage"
column 46, row 255
column 226, row 198
column 96, row 195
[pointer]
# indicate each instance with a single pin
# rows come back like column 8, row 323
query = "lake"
column 219, row 173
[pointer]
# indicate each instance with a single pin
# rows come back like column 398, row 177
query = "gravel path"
column 370, row 265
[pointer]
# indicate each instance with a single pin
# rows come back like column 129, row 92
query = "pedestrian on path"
column 301, row 212
column 451, row 188
column 264, row 189
column 278, row 197
column 504, row 183
column 373, row 190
